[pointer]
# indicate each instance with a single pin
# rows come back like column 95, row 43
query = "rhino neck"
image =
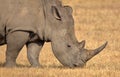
column 47, row 23
column 43, row 30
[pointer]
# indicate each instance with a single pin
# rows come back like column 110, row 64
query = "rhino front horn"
column 96, row 51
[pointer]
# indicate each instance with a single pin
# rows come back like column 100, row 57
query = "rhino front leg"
column 33, row 50
column 15, row 42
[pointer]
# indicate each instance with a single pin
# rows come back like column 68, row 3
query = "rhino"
column 34, row 22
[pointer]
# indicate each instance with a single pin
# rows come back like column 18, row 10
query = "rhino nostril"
column 75, row 65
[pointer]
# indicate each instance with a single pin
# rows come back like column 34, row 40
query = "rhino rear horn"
column 82, row 44
column 96, row 51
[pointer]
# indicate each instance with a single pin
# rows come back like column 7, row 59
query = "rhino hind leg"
column 15, row 42
column 33, row 50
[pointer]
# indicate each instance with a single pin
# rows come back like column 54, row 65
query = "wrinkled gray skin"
column 33, row 22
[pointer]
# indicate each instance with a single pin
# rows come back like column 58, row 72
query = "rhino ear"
column 69, row 9
column 56, row 13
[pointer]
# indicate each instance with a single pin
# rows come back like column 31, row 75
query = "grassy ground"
column 96, row 21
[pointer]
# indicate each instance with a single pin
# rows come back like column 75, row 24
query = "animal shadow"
column 41, row 67
column 55, row 67
column 2, row 65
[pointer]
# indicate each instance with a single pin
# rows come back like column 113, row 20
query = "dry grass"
column 96, row 21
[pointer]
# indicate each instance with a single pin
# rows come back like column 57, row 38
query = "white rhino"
column 33, row 22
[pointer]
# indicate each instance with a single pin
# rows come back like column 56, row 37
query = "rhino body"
column 33, row 22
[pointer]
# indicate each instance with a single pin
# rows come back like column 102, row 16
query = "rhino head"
column 65, row 46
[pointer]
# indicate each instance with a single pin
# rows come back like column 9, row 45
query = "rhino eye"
column 69, row 46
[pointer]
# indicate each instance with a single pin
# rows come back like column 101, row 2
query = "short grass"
column 96, row 21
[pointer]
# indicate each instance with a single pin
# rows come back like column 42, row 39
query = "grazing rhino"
column 33, row 22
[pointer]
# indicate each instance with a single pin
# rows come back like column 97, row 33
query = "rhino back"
column 15, row 5
column 20, row 13
column 28, row 15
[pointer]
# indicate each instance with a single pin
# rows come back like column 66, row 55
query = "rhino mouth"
column 80, row 65
column 75, row 65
